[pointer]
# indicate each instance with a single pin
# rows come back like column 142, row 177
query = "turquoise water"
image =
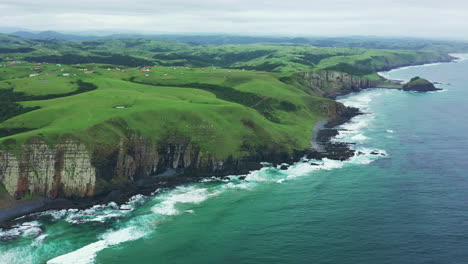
column 410, row 206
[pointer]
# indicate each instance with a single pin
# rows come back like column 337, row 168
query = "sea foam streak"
column 183, row 195
column 139, row 226
column 28, row 229
column 87, row 253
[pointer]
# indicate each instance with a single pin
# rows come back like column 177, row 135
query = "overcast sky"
column 421, row 18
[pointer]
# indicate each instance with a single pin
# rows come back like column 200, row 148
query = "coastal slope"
column 94, row 132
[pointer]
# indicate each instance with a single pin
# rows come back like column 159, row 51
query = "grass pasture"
column 161, row 105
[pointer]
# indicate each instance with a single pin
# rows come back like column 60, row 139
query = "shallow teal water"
column 410, row 206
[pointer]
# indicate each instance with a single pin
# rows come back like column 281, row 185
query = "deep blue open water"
column 410, row 206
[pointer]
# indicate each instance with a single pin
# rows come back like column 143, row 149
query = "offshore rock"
column 418, row 84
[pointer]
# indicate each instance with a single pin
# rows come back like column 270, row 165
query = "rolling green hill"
column 91, row 116
column 280, row 58
column 245, row 101
column 202, row 106
column 365, row 42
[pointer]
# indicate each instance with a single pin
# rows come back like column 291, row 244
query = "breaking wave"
column 87, row 253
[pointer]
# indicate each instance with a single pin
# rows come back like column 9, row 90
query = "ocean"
column 404, row 199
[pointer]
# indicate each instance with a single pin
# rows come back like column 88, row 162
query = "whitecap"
column 97, row 213
column 359, row 137
column 184, row 195
column 87, row 254
column 134, row 202
column 27, row 229
column 165, row 208
column 243, row 185
column 39, row 240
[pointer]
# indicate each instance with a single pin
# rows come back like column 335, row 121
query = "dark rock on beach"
column 325, row 147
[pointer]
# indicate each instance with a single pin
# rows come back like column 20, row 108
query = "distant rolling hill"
column 368, row 42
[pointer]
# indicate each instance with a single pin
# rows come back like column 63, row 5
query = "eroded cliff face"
column 70, row 169
column 85, row 175
column 41, row 170
column 331, row 83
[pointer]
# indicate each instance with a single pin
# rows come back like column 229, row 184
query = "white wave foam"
column 359, row 137
column 28, row 229
column 165, row 208
column 138, row 226
column 439, row 91
column 39, row 240
column 365, row 156
column 265, row 174
column 362, row 156
column 98, row 213
column 212, row 179
column 9, row 234
column 301, row 169
column 87, row 254
column 242, row 185
column 190, row 194
column 134, row 202
column 18, row 255
column 353, row 131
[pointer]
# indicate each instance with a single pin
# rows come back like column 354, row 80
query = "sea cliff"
column 41, row 175
column 332, row 83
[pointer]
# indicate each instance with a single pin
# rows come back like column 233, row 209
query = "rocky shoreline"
column 145, row 186
column 322, row 147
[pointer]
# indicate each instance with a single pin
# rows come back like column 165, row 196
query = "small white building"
column 66, row 74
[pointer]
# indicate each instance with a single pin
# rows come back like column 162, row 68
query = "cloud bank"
column 420, row 18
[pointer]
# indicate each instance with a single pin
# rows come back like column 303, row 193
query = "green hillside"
column 170, row 104
column 227, row 99
column 281, row 58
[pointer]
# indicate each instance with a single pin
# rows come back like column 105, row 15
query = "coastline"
column 323, row 132
column 321, row 143
column 454, row 58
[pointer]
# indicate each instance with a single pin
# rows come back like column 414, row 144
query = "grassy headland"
column 227, row 99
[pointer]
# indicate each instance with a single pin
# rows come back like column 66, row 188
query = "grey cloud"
column 426, row 18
